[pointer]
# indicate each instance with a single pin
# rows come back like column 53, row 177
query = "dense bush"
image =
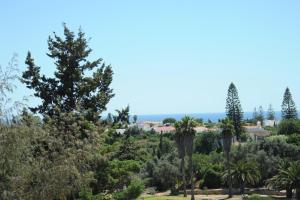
column 165, row 175
column 212, row 179
column 133, row 191
column 169, row 120
column 289, row 126
column 294, row 139
column 207, row 142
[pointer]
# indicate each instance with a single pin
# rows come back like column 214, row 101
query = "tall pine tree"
column 77, row 84
column 254, row 114
column 234, row 110
column 271, row 113
column 288, row 107
column 261, row 115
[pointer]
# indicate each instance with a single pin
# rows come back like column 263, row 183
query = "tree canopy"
column 288, row 107
column 234, row 110
column 77, row 85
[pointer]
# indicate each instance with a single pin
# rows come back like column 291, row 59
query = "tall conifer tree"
column 77, row 84
column 254, row 114
column 271, row 113
column 288, row 107
column 234, row 110
column 261, row 115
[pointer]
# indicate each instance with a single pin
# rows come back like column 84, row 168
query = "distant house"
column 257, row 133
column 200, row 129
column 164, row 129
column 270, row 123
column 148, row 125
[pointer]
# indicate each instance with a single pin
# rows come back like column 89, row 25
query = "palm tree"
column 179, row 139
column 244, row 172
column 184, row 138
column 122, row 117
column 288, row 177
column 227, row 133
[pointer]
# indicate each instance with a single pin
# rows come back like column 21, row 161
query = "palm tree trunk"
column 242, row 188
column 229, row 175
column 183, row 177
column 192, row 175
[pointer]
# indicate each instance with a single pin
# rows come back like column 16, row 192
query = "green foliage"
column 288, row 107
column 133, row 191
column 70, row 89
column 270, row 113
column 165, row 175
column 261, row 115
column 278, row 146
column 227, row 134
column 207, row 142
column 135, row 118
column 8, row 79
column 294, row 139
column 244, row 172
column 212, row 179
column 169, row 121
column 289, row 126
column 43, row 164
column 258, row 116
column 86, row 194
column 127, row 150
column 184, row 138
column 121, row 120
column 119, row 173
column 199, row 121
column 288, row 177
column 234, row 110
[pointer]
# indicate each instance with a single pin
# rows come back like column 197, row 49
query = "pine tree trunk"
column 183, row 177
column 192, row 175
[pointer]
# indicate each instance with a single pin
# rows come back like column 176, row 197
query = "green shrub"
column 212, row 179
column 294, row 139
column 289, row 126
column 207, row 142
column 245, row 136
column 86, row 194
column 133, row 191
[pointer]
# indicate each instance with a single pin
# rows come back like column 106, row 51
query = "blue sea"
column 214, row 117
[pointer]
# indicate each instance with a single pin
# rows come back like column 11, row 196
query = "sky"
column 169, row 56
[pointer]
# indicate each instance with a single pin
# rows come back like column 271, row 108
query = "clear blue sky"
column 170, row 56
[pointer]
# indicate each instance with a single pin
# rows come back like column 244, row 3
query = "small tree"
column 244, row 172
column 122, row 117
column 288, row 177
column 288, row 107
